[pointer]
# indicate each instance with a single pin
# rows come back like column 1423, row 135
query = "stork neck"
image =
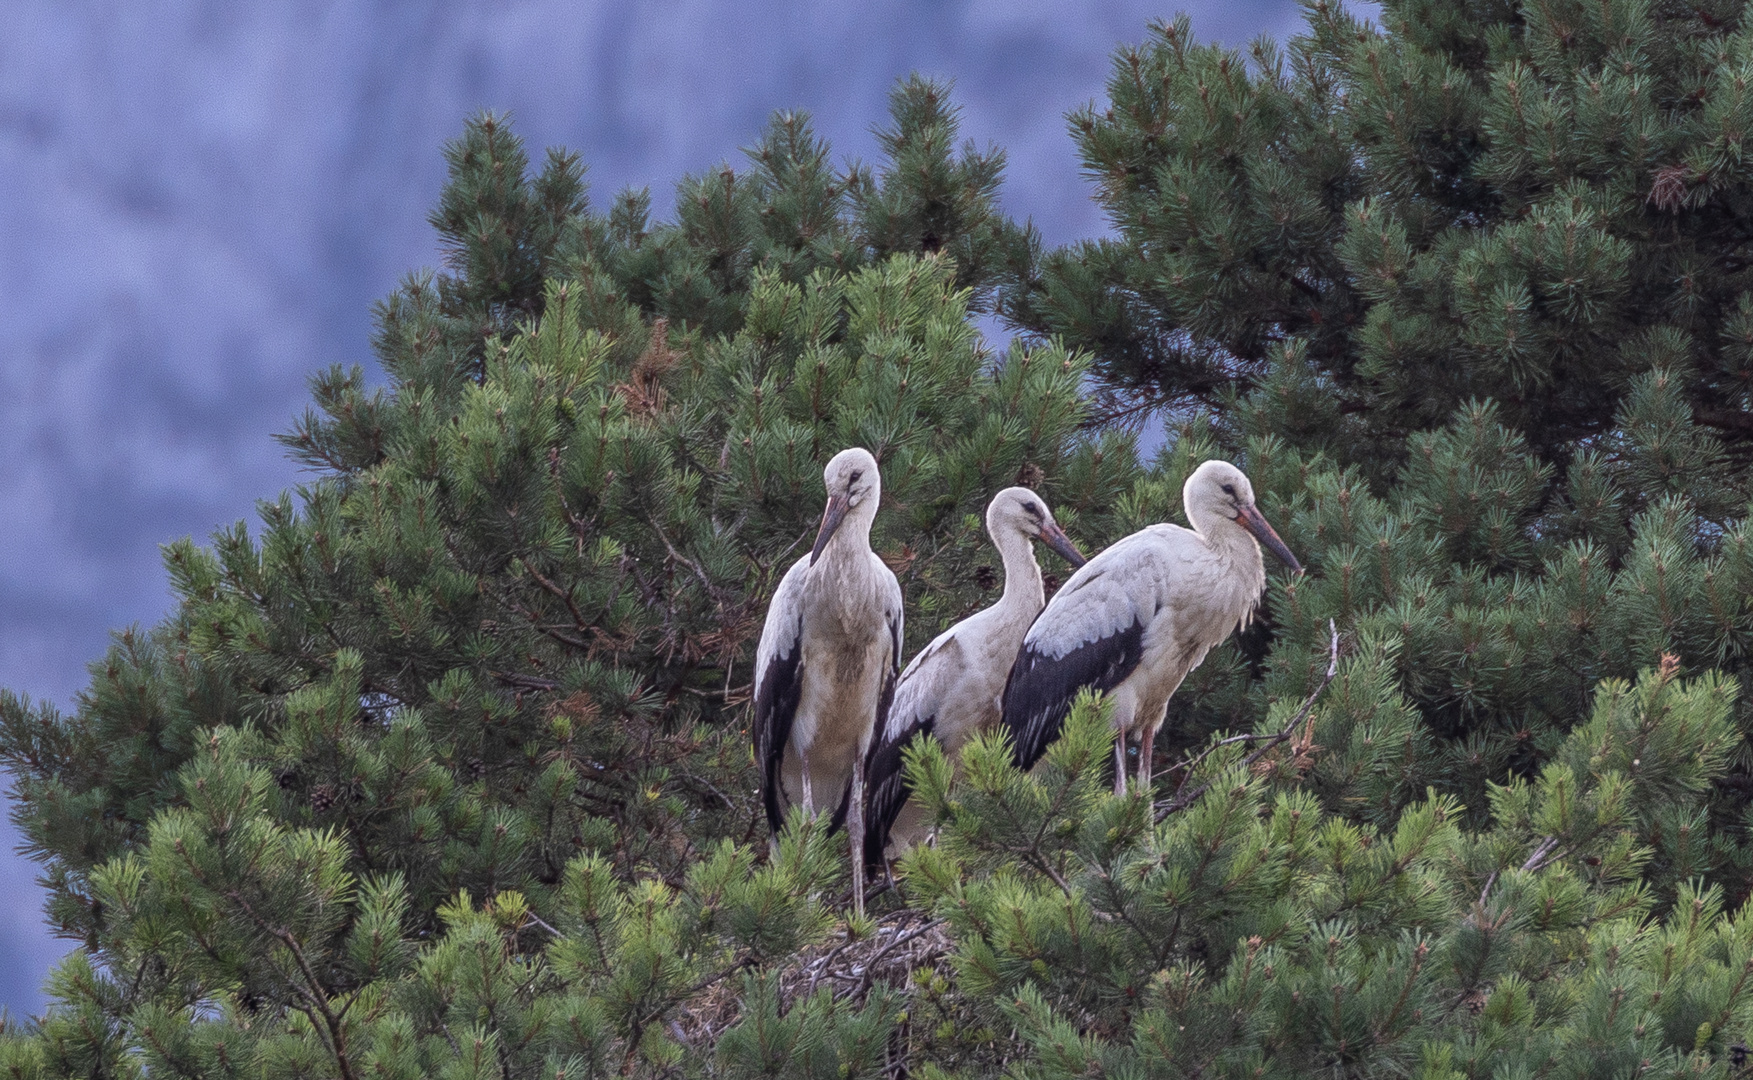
column 1022, row 574
column 853, row 535
column 1225, row 536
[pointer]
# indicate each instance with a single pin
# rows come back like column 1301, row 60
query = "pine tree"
column 1249, row 932
column 1464, row 294
column 1366, row 229
column 482, row 684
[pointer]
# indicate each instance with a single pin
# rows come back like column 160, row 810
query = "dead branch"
column 1540, row 856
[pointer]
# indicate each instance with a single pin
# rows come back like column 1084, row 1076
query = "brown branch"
column 316, row 994
column 1120, row 414
column 565, row 595
column 1726, row 419
column 1418, row 956
column 1489, row 882
column 534, row 618
column 709, row 981
column 1047, row 868
column 825, row 964
column 564, row 638
column 525, row 682
column 1540, row 859
column 543, row 923
column 706, row 582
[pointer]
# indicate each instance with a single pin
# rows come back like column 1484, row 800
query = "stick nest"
column 902, row 942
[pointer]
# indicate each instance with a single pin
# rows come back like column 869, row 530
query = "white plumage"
column 827, row 661
column 1141, row 615
column 952, row 689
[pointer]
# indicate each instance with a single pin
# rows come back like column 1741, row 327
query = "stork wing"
column 912, row 715
column 1091, row 634
column 893, row 602
column 893, row 616
column 778, row 684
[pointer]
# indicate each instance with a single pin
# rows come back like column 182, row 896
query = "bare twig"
column 712, row 590
column 824, row 964
column 543, row 923
column 871, row 893
column 671, row 1002
column 870, row 965
column 312, row 991
column 1539, row 858
column 1489, row 882
column 1182, row 800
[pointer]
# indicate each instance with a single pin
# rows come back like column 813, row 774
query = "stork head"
column 853, row 487
column 1219, row 490
column 1019, row 510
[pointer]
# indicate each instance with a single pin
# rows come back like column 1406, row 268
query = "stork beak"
column 831, row 519
column 1054, row 537
column 1249, row 518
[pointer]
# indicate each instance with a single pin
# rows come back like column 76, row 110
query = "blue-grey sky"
column 200, row 199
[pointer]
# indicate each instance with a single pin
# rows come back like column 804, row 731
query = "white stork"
column 827, row 661
column 951, row 689
column 1141, row 615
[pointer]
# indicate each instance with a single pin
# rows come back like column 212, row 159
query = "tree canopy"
column 442, row 767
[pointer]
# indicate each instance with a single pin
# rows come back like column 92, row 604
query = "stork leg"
column 809, row 800
column 1144, row 749
column 855, row 834
column 1120, row 763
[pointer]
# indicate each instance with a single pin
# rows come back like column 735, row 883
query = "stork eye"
column 1229, row 489
column 857, row 475
column 1034, row 510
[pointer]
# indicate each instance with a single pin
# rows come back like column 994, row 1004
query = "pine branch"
column 1180, row 801
column 312, row 989
column 565, row 595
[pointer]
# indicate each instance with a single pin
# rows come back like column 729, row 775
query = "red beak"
column 832, row 516
column 1054, row 537
column 1249, row 518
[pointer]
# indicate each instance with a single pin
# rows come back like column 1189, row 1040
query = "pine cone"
column 1030, row 475
column 322, row 797
column 986, row 577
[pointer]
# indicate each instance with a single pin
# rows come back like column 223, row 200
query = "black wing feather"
column 775, row 708
column 886, row 787
column 1039, row 692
